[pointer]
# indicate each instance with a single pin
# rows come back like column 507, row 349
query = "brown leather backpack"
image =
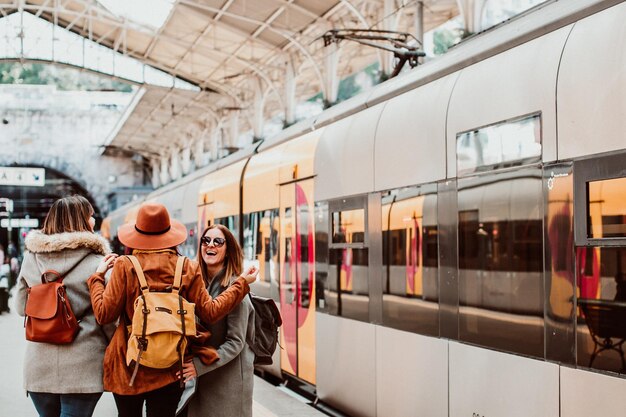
column 49, row 316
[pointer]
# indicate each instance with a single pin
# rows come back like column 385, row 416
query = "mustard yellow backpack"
column 160, row 325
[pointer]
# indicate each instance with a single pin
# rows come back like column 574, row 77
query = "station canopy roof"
column 221, row 48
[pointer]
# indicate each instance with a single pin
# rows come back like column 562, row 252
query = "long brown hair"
column 233, row 257
column 68, row 214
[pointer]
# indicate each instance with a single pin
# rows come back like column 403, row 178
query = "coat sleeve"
column 236, row 332
column 22, row 289
column 108, row 301
column 211, row 309
column 20, row 296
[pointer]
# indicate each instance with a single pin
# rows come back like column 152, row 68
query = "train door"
column 297, row 280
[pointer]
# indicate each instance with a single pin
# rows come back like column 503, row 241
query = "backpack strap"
column 60, row 277
column 142, row 278
column 44, row 280
column 141, row 341
column 178, row 275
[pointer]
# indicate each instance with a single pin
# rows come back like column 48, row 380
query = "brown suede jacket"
column 117, row 299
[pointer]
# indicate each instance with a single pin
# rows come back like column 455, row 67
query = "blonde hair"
column 68, row 214
column 233, row 257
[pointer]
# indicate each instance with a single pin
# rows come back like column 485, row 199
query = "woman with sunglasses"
column 220, row 258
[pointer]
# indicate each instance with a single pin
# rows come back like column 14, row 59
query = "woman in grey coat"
column 65, row 380
column 225, row 386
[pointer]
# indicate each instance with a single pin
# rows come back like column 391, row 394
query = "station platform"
column 269, row 400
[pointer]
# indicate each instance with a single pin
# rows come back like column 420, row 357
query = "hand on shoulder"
column 106, row 263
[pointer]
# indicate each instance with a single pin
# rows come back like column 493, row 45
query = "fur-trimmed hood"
column 38, row 242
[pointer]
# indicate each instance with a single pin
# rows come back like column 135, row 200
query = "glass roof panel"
column 152, row 13
column 23, row 35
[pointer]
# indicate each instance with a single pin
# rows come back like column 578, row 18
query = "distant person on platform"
column 224, row 388
column 65, row 380
column 5, row 279
column 13, row 262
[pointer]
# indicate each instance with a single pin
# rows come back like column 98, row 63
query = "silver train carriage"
column 452, row 243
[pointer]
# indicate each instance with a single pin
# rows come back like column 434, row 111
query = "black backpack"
column 267, row 320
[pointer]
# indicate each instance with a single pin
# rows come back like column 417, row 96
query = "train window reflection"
column 347, row 285
column 501, row 261
column 232, row 222
column 513, row 142
column 601, row 285
column 410, row 259
column 346, row 273
column 348, row 226
column 260, row 247
column 606, row 209
column 189, row 247
column 321, row 254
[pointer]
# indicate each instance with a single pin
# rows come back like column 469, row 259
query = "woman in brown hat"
column 153, row 238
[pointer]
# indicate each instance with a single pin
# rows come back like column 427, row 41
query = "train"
column 452, row 242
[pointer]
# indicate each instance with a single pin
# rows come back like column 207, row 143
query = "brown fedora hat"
column 153, row 229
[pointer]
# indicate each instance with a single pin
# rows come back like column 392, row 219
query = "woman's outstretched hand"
column 106, row 263
column 250, row 274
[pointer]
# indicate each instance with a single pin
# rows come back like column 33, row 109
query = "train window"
column 601, row 286
column 342, row 263
column 189, row 248
column 347, row 285
column 260, row 247
column 599, row 193
column 232, row 222
column 348, row 226
column 500, row 226
column 321, row 256
column 410, row 259
column 512, row 142
column 606, row 212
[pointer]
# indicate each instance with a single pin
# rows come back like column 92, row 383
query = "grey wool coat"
column 225, row 387
column 75, row 367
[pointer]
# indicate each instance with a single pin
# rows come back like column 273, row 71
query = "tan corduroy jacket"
column 117, row 299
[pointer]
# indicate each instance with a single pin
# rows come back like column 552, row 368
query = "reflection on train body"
column 410, row 259
column 601, row 279
column 260, row 247
column 501, row 260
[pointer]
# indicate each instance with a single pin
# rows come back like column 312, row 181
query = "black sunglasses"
column 218, row 242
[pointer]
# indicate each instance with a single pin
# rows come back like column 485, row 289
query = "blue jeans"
column 64, row 405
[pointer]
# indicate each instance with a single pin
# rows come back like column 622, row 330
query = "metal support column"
column 198, row 151
column 472, row 11
column 216, row 141
column 165, row 176
column 389, row 23
column 259, row 103
column 419, row 22
column 175, row 164
column 185, row 158
column 290, row 93
column 331, row 77
column 156, row 181
column 233, row 137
